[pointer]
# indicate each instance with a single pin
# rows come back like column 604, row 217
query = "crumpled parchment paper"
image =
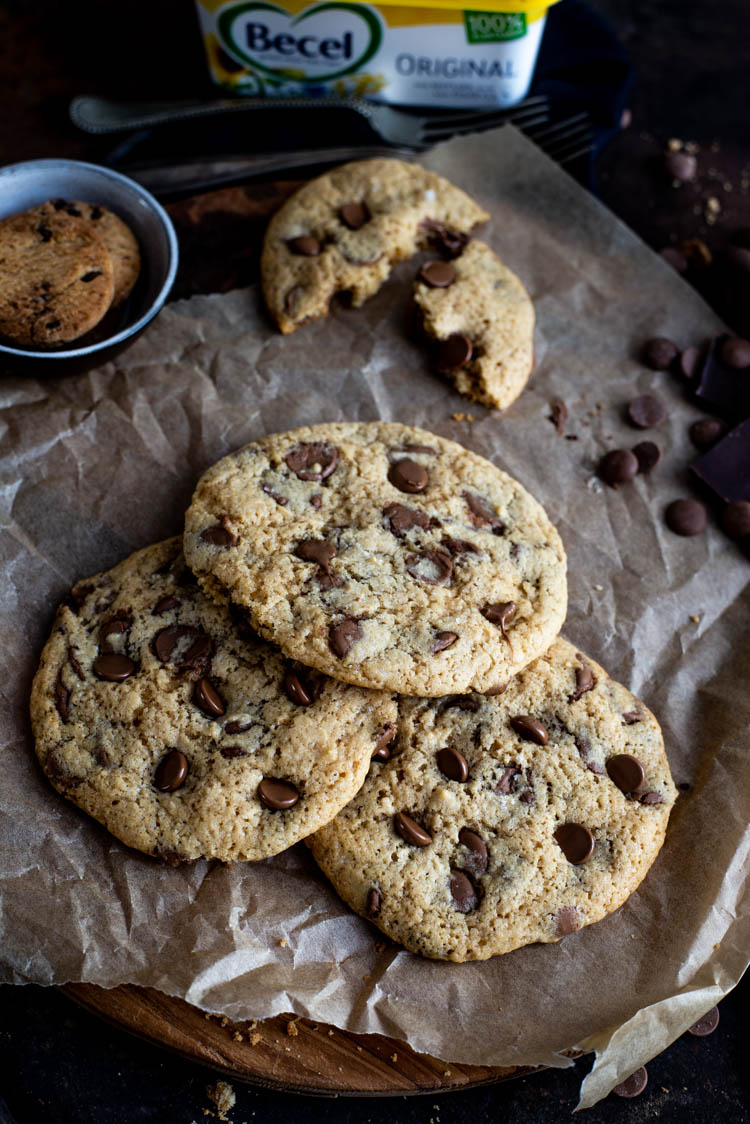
column 96, row 466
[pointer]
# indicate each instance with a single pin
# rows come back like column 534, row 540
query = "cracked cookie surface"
column 163, row 717
column 345, row 230
column 499, row 821
column 382, row 555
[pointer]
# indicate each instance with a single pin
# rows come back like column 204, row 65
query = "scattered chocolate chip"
column 455, row 351
column 659, row 354
column 480, row 513
column 62, row 698
column 530, row 729
column 735, row 352
column 171, row 772
column 113, row 668
column 674, row 258
column 354, row 215
column 651, row 798
column 477, row 858
column 443, row 640
column 410, row 830
column 558, row 415
column 646, row 411
column 686, row 517
column 433, row 567
column 724, row 387
column 630, row 717
column 232, row 751
column 282, row 501
column 306, row 245
column 501, row 613
column 463, row 891
column 342, row 635
column 576, row 842
column 735, row 519
column 408, row 476
column 91, row 275
column 313, row 460
column 208, row 699
column 618, row 466
column 626, row 772
column 73, row 661
column 739, row 256
column 507, row 782
column 706, row 432
column 164, row 604
column 690, row 361
column 452, row 764
column 373, row 903
column 648, row 455
column 236, row 727
column 632, row 1086
column 567, row 921
column 219, row 534
column 277, row 795
column 388, row 734
column 681, row 166
column 437, row 274
column 297, row 689
column 401, row 518
column 705, row 1025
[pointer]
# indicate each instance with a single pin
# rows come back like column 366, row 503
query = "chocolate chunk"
column 735, row 352
column 507, row 782
column 388, row 734
column 449, row 243
column 735, row 519
column 277, row 795
column 618, row 466
column 501, row 613
column 313, row 460
column 460, row 546
column 443, row 640
column 117, row 625
column 478, row 859
column 681, row 166
column 52, row 324
column 632, row 1086
column 456, row 351
column 463, row 891
column 77, row 596
column 558, row 415
column 584, row 681
column 567, row 921
column 725, row 469
column 410, row 830
column 298, row 689
column 659, row 354
column 103, row 758
column 237, row 727
column 408, row 476
column 96, row 213
column 197, row 659
column 626, row 772
column 706, row 432
column 646, row 411
column 651, row 798
column 316, row 501
column 690, row 361
column 318, row 551
column 725, row 388
column 705, row 1025
column 373, row 903
column 630, row 717
column 219, row 534
column 648, row 455
column 232, row 751
column 73, row 661
column 686, row 517
column 282, row 501
column 62, row 698
column 164, row 604
column 45, row 234
column 584, row 748
column 91, row 275
column 306, row 245
column 342, row 635
column 530, row 729
column 113, row 668
column 437, row 274
column 481, row 514
column 434, row 567
column 452, row 764
column 401, row 519
column 208, row 699
column 354, row 215
column 575, row 841
column 674, row 258
column 462, row 702
column 171, row 772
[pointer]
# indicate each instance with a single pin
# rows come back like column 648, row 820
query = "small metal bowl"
column 35, row 181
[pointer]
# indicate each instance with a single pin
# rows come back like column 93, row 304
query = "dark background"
column 59, row 1064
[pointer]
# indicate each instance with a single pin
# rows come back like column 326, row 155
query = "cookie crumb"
column 222, row 1095
column 695, row 618
column 291, row 1028
column 254, row 1039
column 330, row 1034
column 238, row 1037
column 224, row 1021
column 460, row 416
column 283, row 942
column 394, row 1058
column 446, row 1073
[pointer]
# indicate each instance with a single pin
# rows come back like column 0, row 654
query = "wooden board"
column 291, row 1054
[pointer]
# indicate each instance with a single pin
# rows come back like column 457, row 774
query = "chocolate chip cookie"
column 344, row 231
column 56, row 279
column 117, row 236
column 382, row 555
column 488, row 823
column 482, row 321
column 162, row 716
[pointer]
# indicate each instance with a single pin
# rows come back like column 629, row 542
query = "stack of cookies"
column 64, row 266
column 356, row 644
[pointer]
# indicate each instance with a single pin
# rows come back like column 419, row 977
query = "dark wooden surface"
column 61, row 1063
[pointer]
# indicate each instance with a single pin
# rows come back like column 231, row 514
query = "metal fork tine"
column 567, row 152
column 435, row 137
column 564, row 126
column 484, row 120
column 458, row 116
column 576, row 132
column 560, row 145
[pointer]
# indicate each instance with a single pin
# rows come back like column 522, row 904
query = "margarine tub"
column 442, row 55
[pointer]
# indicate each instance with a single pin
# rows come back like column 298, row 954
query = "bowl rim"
column 161, row 296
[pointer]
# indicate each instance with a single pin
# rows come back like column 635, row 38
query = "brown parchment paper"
column 96, row 466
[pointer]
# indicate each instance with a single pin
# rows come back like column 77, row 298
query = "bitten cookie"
column 56, row 279
column 116, row 235
column 187, row 737
column 382, row 555
column 491, row 823
column 344, row 231
column 483, row 321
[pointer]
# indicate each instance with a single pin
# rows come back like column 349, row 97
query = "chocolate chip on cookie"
column 277, row 795
column 411, row 831
column 408, row 476
column 171, row 772
column 452, row 764
column 576, row 842
column 437, row 274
